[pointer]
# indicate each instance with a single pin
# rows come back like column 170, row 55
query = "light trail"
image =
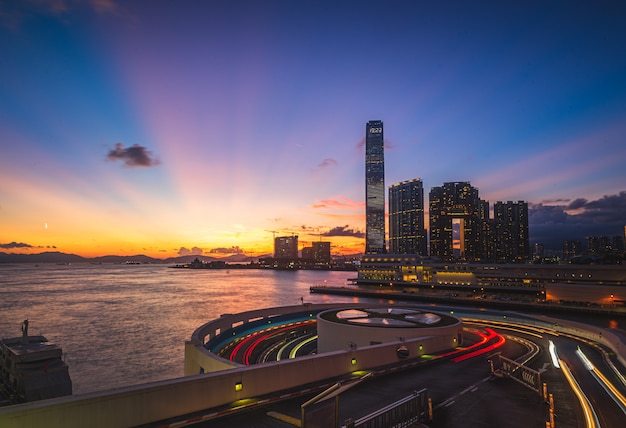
column 492, row 335
column 615, row 394
column 554, row 356
column 274, row 329
column 296, row 348
column 591, row 419
column 529, row 330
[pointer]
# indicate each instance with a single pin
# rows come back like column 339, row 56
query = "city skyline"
column 148, row 128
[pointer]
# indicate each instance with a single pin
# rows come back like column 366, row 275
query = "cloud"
column 223, row 250
column 609, row 209
column 327, row 163
column 388, row 145
column 344, row 231
column 15, row 245
column 577, row 219
column 135, row 155
column 338, row 202
column 196, row 251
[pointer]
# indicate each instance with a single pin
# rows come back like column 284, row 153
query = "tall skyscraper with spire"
column 374, row 188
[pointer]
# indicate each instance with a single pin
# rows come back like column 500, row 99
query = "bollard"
column 430, row 409
column 551, row 411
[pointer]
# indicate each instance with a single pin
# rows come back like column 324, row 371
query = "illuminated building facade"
column 374, row 188
column 286, row 247
column 572, row 248
column 407, row 234
column 321, row 252
column 511, row 231
column 457, row 217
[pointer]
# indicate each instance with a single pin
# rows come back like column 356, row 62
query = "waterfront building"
column 407, row 234
column 321, row 252
column 286, row 247
column 511, row 232
column 374, row 188
column 410, row 272
column 457, row 217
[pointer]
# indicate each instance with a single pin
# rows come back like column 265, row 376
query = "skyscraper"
column 407, row 234
column 511, row 220
column 374, row 188
column 456, row 222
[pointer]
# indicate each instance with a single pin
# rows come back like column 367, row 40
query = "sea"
column 122, row 325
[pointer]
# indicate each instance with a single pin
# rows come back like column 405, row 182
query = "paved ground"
column 464, row 395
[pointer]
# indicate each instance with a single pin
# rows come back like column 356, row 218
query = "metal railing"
column 406, row 412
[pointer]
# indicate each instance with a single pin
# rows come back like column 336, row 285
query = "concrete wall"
column 335, row 336
column 198, row 359
column 162, row 400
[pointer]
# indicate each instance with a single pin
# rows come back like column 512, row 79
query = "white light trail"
column 553, row 355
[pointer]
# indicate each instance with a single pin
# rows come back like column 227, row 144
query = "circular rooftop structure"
column 349, row 328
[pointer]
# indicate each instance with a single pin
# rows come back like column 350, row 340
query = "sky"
column 208, row 127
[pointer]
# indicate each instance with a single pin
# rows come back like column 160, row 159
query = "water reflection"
column 127, row 324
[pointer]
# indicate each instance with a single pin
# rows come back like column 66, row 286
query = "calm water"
column 122, row 325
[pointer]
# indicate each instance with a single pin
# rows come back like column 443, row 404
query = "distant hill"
column 58, row 257
column 47, row 257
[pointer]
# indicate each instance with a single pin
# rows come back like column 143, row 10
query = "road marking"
column 471, row 388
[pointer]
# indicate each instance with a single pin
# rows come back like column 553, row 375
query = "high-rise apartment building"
column 286, row 247
column 374, row 188
column 407, row 234
column 511, row 231
column 456, row 222
column 598, row 246
column 321, row 252
column 572, row 248
column 538, row 252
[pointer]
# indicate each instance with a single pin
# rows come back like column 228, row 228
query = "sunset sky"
column 176, row 127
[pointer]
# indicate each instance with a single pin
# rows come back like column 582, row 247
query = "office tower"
column 286, row 247
column 456, row 222
column 374, row 188
column 511, row 235
column 407, row 234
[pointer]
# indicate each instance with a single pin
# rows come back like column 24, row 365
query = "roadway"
column 463, row 390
